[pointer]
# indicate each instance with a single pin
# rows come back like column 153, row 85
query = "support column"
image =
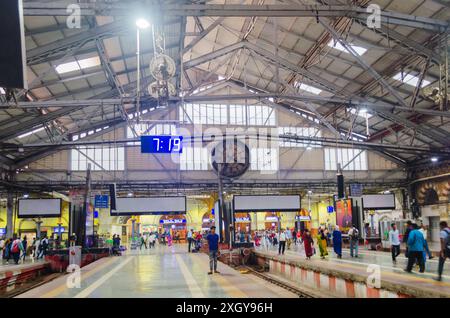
column 133, row 229
column 38, row 228
column 9, row 214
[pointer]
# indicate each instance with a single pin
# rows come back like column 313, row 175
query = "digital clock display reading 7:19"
column 161, row 144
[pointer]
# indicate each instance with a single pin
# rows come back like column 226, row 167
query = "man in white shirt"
column 394, row 239
column 282, row 244
column 189, row 238
column 423, row 229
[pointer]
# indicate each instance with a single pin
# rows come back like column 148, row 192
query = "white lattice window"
column 194, row 158
column 264, row 159
column 299, row 131
column 349, row 158
column 100, row 158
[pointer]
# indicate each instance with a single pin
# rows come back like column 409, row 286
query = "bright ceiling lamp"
column 142, row 23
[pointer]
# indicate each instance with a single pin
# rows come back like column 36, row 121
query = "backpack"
column 447, row 242
column 15, row 247
column 355, row 235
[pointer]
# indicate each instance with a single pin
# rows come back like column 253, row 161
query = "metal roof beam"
column 32, row 8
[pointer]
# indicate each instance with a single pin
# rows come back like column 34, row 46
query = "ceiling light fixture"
column 142, row 23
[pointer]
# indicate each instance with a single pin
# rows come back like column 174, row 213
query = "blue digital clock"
column 161, row 144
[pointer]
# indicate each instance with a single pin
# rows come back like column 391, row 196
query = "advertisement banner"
column 344, row 215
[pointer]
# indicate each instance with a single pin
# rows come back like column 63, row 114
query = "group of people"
column 194, row 239
column 148, row 240
column 17, row 249
column 417, row 249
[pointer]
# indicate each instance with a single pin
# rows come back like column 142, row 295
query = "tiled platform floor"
column 161, row 272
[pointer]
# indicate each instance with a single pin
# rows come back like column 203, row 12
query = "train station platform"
column 162, row 272
column 12, row 276
column 348, row 277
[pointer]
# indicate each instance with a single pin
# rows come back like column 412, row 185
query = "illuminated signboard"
column 2, row 231
column 303, row 218
column 56, row 229
column 271, row 219
column 242, row 220
column 169, row 221
column 161, row 144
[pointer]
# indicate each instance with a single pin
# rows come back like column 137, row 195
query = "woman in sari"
column 308, row 243
column 322, row 243
column 337, row 241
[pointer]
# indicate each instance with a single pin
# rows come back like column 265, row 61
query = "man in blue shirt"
column 213, row 244
column 416, row 246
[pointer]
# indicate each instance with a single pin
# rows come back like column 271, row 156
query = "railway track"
column 294, row 289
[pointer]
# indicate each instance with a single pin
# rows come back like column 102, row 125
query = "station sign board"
column 356, row 190
column 174, row 221
column 242, row 220
column 303, row 218
column 101, row 201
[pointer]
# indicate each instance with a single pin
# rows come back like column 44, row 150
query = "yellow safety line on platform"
column 229, row 288
column 194, row 288
column 58, row 290
column 86, row 292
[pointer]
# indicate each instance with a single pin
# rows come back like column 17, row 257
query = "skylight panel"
column 90, row 62
column 31, row 132
column 309, row 89
column 410, row 79
column 78, row 65
column 338, row 46
column 362, row 112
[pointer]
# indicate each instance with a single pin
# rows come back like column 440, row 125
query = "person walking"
column 7, row 251
column 353, row 236
column 394, row 240
column 189, row 239
column 308, row 243
column 2, row 246
column 213, row 245
column 288, row 234
column 16, row 249
column 424, row 230
column 322, row 243
column 406, row 236
column 445, row 248
column 294, row 236
column 337, row 241
column 24, row 244
column 44, row 244
column 282, row 243
column 416, row 246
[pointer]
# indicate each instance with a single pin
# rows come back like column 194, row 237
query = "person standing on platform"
column 337, row 241
column 16, row 249
column 294, row 236
column 213, row 245
column 416, row 246
column 308, row 243
column 169, row 239
column 406, row 235
column 423, row 229
column 288, row 238
column 189, row 239
column 2, row 246
column 445, row 248
column 322, row 243
column 282, row 243
column 24, row 244
column 394, row 239
column 353, row 237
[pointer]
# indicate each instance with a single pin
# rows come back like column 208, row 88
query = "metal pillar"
column 38, row 228
column 9, row 214
column 133, row 224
